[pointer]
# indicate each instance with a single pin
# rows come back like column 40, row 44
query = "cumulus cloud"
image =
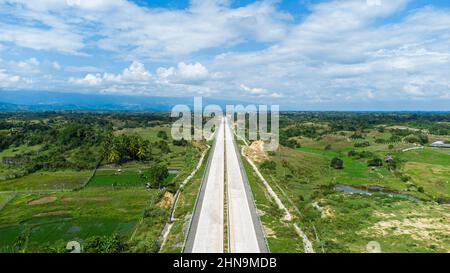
column 122, row 26
column 343, row 51
column 349, row 50
column 136, row 73
column 253, row 91
column 56, row 66
column 7, row 79
column 184, row 73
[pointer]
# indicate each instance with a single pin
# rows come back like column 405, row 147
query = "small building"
column 440, row 144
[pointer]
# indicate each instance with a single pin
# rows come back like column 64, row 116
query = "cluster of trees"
column 360, row 155
column 408, row 136
column 435, row 123
column 362, row 144
column 66, row 141
column 288, row 142
column 125, row 148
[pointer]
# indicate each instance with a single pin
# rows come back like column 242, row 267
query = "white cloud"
column 135, row 74
column 348, row 50
column 194, row 73
column 6, row 79
column 341, row 50
column 253, row 91
column 140, row 32
column 89, row 79
column 26, row 68
column 56, row 66
column 77, row 69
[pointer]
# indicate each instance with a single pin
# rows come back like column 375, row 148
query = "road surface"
column 206, row 233
column 244, row 229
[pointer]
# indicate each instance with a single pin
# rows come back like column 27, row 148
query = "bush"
column 269, row 165
column 376, row 162
column 153, row 211
column 181, row 142
column 162, row 135
column 337, row 163
column 104, row 244
column 362, row 144
column 158, row 174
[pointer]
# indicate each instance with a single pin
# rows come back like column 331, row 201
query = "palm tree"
column 113, row 155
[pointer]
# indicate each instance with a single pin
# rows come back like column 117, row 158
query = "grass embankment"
column 280, row 234
column 183, row 211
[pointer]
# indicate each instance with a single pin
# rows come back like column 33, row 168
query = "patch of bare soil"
column 52, row 213
column 325, row 211
column 85, row 198
column 269, row 232
column 419, row 229
column 199, row 145
column 419, row 225
column 43, row 200
column 256, row 151
column 167, row 200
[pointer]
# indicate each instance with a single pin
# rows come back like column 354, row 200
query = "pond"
column 372, row 189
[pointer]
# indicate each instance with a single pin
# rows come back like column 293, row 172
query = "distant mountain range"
column 28, row 101
column 32, row 101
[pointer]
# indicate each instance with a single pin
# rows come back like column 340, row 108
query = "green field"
column 53, row 220
column 67, row 188
column 148, row 133
column 19, row 150
column 44, row 180
column 349, row 222
column 344, row 222
column 125, row 178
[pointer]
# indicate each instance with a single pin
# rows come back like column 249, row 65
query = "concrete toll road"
column 244, row 230
column 245, row 233
column 206, row 233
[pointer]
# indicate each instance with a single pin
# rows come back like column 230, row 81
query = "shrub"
column 376, row 162
column 104, row 244
column 269, row 165
column 162, row 135
column 362, row 144
column 337, row 163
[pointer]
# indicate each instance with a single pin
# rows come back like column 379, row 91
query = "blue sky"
column 298, row 53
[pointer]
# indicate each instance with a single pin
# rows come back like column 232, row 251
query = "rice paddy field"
column 45, row 180
column 124, row 178
column 38, row 223
column 42, row 211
